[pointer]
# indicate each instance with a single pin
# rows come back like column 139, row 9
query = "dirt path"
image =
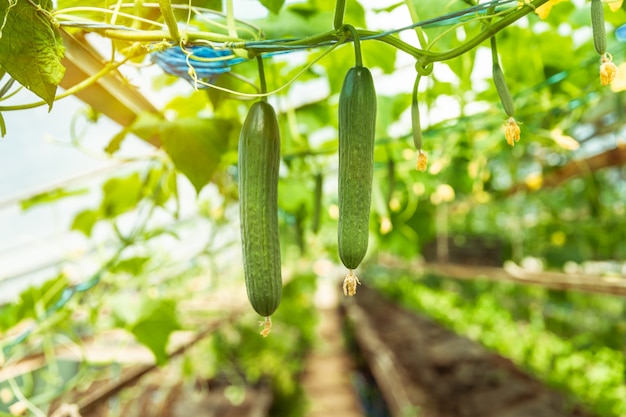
column 327, row 379
column 423, row 369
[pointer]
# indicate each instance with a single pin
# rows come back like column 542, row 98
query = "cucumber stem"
column 170, row 19
column 259, row 61
column 357, row 44
column 340, row 8
column 230, row 19
column 421, row 36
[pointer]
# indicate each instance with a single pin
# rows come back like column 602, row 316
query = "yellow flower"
column 512, row 131
column 349, row 284
column 615, row 5
column 608, row 69
column 619, row 83
column 267, row 326
column 544, row 10
column 422, row 161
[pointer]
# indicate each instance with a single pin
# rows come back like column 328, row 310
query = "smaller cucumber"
column 500, row 82
column 597, row 25
column 317, row 202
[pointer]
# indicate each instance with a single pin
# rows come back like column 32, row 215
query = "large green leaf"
column 31, row 48
column 196, row 146
column 158, row 319
column 150, row 320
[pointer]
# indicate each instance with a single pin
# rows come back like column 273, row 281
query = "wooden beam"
column 556, row 280
column 112, row 95
column 578, row 168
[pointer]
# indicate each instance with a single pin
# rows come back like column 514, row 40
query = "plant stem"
column 111, row 66
column 340, row 8
column 357, row 45
column 230, row 19
column 488, row 32
column 494, row 51
column 259, row 61
column 170, row 19
column 162, row 35
column 421, row 37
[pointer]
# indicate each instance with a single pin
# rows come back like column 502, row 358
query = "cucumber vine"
column 154, row 35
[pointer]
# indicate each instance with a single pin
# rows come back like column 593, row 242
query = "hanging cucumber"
column 597, row 26
column 317, row 202
column 416, row 125
column 357, row 124
column 259, row 160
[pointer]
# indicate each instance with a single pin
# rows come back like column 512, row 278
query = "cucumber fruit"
column 357, row 125
column 259, row 160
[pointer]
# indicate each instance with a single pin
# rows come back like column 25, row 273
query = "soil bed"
column 424, row 369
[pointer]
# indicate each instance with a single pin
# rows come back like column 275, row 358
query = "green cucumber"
column 597, row 25
column 259, row 160
column 357, row 125
column 317, row 202
column 500, row 82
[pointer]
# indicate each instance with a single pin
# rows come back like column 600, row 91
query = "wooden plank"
column 112, row 95
column 557, row 280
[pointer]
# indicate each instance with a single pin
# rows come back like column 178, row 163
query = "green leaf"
column 145, row 126
column 9, row 316
column 292, row 23
column 157, row 321
column 338, row 65
column 116, row 141
column 150, row 320
column 381, row 55
column 429, row 9
column 35, row 300
column 354, row 14
column 292, row 195
column 120, row 195
column 196, row 146
column 132, row 266
column 218, row 97
column 159, row 185
column 189, row 105
column 31, row 48
column 273, row 6
column 50, row 196
column 85, row 220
